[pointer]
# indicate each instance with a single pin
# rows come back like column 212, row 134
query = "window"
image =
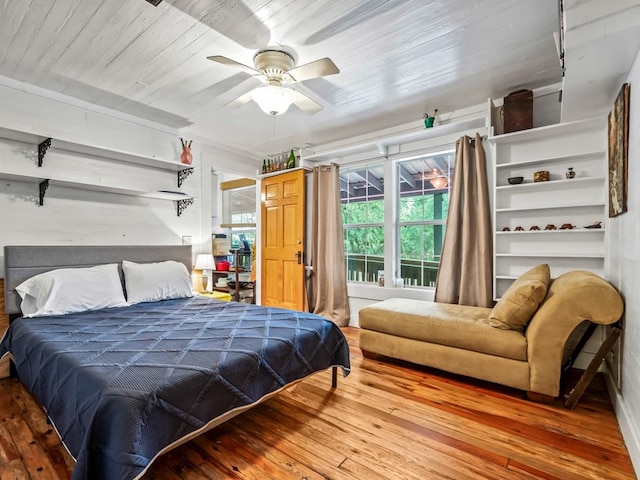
column 423, row 202
column 418, row 198
column 239, row 212
column 362, row 194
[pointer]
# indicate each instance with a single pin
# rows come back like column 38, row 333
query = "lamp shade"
column 205, row 261
column 273, row 99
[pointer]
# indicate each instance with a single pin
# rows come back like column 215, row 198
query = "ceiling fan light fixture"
column 272, row 99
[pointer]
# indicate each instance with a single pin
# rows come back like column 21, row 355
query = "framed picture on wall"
column 618, row 152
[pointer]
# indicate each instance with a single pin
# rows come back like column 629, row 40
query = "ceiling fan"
column 277, row 69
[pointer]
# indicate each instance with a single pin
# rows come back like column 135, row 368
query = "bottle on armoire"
column 291, row 163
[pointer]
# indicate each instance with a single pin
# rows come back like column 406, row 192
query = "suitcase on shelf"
column 517, row 111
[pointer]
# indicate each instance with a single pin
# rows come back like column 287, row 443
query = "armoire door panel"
column 290, row 226
column 290, row 190
column 271, row 228
column 272, row 192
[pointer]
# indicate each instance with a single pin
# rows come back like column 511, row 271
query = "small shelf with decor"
column 235, row 285
column 45, row 183
column 48, row 143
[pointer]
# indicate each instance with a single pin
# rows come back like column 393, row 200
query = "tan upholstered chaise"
column 476, row 342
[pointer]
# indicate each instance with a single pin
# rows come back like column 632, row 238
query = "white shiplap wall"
column 624, row 252
column 75, row 216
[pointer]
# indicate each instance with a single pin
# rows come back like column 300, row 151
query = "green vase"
column 428, row 122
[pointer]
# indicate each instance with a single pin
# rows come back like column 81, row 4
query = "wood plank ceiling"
column 397, row 59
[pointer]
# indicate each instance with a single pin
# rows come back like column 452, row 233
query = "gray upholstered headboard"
column 21, row 263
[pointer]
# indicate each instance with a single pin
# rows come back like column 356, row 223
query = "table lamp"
column 205, row 262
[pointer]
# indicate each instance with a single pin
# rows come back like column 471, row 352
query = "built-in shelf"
column 551, row 255
column 567, row 158
column 552, row 184
column 577, row 201
column 555, row 130
column 550, row 207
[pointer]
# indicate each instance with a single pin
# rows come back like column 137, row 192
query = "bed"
column 124, row 384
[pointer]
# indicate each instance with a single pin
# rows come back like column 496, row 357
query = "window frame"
column 391, row 220
column 358, row 168
column 228, row 225
column 398, row 224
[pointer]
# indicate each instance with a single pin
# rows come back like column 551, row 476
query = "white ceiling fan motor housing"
column 273, row 64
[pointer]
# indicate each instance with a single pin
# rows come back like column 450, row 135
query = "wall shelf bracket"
column 182, row 204
column 183, row 174
column 42, row 150
column 42, row 190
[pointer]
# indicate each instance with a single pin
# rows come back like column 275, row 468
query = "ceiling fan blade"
column 240, row 101
column 318, row 68
column 234, row 64
column 305, row 104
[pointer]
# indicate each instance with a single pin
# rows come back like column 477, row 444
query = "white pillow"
column 68, row 290
column 151, row 282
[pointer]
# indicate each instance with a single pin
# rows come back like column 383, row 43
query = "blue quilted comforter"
column 120, row 384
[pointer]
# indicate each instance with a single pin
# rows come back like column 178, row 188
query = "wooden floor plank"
column 14, row 470
column 8, row 451
column 34, row 458
column 387, row 420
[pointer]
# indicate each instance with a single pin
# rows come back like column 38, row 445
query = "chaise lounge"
column 519, row 343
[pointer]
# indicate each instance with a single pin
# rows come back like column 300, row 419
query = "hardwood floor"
column 384, row 421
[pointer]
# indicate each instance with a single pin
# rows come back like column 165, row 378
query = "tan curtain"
column 328, row 285
column 465, row 275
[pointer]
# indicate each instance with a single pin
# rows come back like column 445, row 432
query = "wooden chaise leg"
column 334, row 377
column 370, row 355
column 540, row 397
column 590, row 372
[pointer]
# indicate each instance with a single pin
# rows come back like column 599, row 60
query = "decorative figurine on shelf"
column 594, row 225
column 570, row 173
column 428, row 119
column 185, row 156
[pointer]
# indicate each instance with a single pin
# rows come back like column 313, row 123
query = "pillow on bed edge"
column 516, row 307
column 69, row 290
column 152, row 282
